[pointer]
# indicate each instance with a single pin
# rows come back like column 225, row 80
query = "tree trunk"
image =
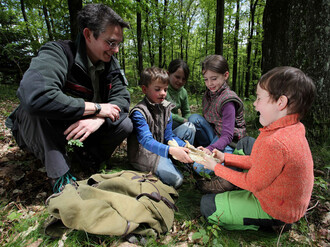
column 296, row 33
column 235, row 52
column 74, row 7
column 26, row 20
column 49, row 29
column 248, row 50
column 148, row 34
column 139, row 37
column 182, row 29
column 123, row 61
column 219, row 27
column 207, row 33
column 164, row 23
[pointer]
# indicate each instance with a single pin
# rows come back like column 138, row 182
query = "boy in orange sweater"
column 278, row 183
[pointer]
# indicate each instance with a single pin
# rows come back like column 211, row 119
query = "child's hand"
column 181, row 154
column 205, row 150
column 208, row 163
column 219, row 155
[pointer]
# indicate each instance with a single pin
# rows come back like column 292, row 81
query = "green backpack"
column 116, row 204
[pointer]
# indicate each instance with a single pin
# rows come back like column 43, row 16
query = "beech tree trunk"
column 139, row 38
column 235, row 52
column 74, row 7
column 219, row 27
column 296, row 33
column 49, row 29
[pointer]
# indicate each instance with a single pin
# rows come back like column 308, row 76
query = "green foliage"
column 14, row 216
column 136, row 94
column 73, row 143
column 209, row 235
column 321, row 189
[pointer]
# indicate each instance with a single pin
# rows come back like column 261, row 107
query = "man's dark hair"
column 97, row 17
column 294, row 84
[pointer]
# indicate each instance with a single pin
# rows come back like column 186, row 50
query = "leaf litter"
column 24, row 187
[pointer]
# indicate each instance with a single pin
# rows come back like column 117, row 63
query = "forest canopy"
column 253, row 35
column 169, row 29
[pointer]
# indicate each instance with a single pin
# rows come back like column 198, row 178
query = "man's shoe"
column 59, row 183
column 215, row 185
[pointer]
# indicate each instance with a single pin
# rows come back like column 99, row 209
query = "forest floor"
column 24, row 187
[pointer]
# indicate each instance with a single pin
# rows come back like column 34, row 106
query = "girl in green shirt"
column 178, row 72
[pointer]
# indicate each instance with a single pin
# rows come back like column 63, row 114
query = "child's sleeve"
column 185, row 108
column 265, row 167
column 228, row 113
column 145, row 137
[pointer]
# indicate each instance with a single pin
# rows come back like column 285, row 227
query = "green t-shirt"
column 180, row 99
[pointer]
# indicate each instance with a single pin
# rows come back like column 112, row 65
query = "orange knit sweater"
column 280, row 169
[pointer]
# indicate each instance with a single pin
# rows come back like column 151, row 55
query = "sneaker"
column 215, row 185
column 59, row 183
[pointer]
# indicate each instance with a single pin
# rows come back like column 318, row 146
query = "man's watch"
column 97, row 108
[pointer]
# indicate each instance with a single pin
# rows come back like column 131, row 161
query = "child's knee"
column 178, row 182
column 207, row 205
column 195, row 119
column 199, row 168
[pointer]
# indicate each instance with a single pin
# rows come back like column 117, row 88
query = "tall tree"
column 49, row 29
column 74, row 7
column 296, row 33
column 149, row 34
column 26, row 20
column 235, row 52
column 220, row 17
column 139, row 36
column 253, row 5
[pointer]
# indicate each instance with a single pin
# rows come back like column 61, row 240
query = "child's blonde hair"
column 294, row 84
column 152, row 74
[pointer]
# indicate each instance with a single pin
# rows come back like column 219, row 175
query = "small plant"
column 73, row 143
column 205, row 175
column 209, row 236
column 320, row 188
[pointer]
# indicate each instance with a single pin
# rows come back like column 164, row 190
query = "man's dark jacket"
column 57, row 83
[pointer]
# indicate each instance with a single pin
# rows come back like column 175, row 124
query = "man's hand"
column 83, row 128
column 181, row 154
column 109, row 110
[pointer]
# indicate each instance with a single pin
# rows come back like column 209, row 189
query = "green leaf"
column 197, row 235
column 77, row 143
column 14, row 216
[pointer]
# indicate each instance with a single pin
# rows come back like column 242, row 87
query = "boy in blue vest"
column 152, row 121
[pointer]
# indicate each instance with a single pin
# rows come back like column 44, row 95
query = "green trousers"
column 236, row 210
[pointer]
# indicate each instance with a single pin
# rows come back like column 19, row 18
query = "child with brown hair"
column 152, row 121
column 222, row 124
column 178, row 72
column 278, row 184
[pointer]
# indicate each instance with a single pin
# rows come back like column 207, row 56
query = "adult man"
column 75, row 91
